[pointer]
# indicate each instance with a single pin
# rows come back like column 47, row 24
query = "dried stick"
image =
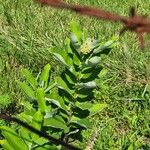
column 40, row 133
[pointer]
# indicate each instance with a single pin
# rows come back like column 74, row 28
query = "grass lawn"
column 27, row 31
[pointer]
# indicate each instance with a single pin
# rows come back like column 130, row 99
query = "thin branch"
column 84, row 10
column 134, row 23
column 40, row 133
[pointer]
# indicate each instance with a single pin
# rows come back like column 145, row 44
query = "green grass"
column 27, row 31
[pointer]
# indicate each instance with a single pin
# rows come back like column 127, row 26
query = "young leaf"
column 76, row 29
column 82, row 122
column 67, row 43
column 13, row 138
column 56, row 122
column 44, row 78
column 41, row 100
column 28, row 75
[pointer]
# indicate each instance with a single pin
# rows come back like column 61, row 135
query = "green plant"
column 62, row 106
column 82, row 60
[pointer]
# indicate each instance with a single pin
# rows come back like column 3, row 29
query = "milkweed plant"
column 62, row 105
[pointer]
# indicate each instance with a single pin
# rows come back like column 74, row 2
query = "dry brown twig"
column 40, row 133
column 135, row 23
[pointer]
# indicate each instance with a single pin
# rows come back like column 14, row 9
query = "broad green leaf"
column 76, row 29
column 90, row 73
column 85, row 123
column 67, row 43
column 84, row 106
column 37, row 120
column 27, row 89
column 82, row 122
column 87, row 85
column 41, row 100
column 76, row 60
column 54, row 101
column 50, row 87
column 67, row 58
column 98, row 49
column 72, row 71
column 41, row 141
column 60, row 59
column 56, row 122
column 28, row 75
column 13, row 138
column 44, row 78
column 24, row 134
column 96, row 108
column 94, row 61
column 4, row 100
column 108, row 43
column 58, row 102
column 6, row 145
column 43, row 148
column 69, row 79
column 63, row 85
column 57, row 135
column 62, row 56
column 36, row 123
column 104, row 46
column 74, row 41
column 64, row 115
